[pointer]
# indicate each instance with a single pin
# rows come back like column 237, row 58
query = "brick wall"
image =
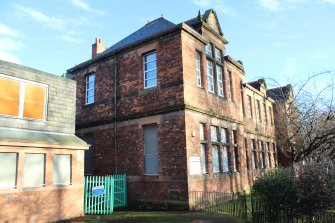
column 132, row 99
column 44, row 204
column 61, row 99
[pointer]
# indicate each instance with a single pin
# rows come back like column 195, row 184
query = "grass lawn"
column 156, row 217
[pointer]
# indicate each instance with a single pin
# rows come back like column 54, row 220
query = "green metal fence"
column 104, row 193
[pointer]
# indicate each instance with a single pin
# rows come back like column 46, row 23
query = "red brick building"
column 168, row 107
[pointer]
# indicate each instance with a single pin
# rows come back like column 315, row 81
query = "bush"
column 317, row 187
column 310, row 189
column 278, row 189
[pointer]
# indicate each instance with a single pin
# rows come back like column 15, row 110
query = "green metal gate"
column 103, row 193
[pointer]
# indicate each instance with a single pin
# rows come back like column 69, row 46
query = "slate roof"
column 150, row 29
column 280, row 93
column 257, row 84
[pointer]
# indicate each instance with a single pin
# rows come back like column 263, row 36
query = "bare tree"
column 305, row 118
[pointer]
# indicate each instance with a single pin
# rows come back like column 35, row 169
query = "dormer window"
column 209, row 49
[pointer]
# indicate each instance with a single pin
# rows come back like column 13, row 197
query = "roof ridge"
column 161, row 17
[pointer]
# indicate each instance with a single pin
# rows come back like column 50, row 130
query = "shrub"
column 278, row 189
column 308, row 190
column 317, row 187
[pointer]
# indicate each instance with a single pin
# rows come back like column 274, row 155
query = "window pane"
column 9, row 96
column 261, row 160
column 34, row 101
column 224, row 159
column 62, row 169
column 151, row 164
column 90, row 85
column 33, row 173
column 202, row 133
column 218, row 55
column 150, row 65
column 151, row 83
column 234, row 159
column 90, row 93
column 91, row 78
column 151, row 149
column 214, row 137
column 215, row 159
column 150, row 74
column 198, row 69
column 90, row 100
column 8, row 170
column 203, row 158
column 150, row 57
column 219, row 80
column 253, row 162
column 210, row 76
column 209, row 49
column 223, row 135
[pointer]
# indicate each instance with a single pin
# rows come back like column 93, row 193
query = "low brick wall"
column 50, row 202
column 41, row 204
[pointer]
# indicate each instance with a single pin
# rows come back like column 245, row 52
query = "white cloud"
column 49, row 21
column 7, row 31
column 9, row 42
column 56, row 23
column 272, row 5
column 8, row 57
column 86, row 7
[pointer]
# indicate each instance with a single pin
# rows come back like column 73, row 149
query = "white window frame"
column 225, row 159
column 224, row 135
column 146, row 71
column 203, row 158
column 215, row 159
column 218, row 55
column 210, row 76
column 198, row 68
column 219, row 80
column 89, row 89
column 208, row 48
column 229, row 87
column 22, row 94
column 249, row 106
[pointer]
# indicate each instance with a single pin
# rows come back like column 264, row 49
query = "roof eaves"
column 234, row 62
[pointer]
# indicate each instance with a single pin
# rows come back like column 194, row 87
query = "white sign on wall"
column 195, row 165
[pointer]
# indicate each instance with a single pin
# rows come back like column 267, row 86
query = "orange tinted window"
column 9, row 96
column 34, row 101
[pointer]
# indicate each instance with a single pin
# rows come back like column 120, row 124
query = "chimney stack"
column 98, row 47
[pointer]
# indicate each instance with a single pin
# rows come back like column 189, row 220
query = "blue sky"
column 282, row 39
